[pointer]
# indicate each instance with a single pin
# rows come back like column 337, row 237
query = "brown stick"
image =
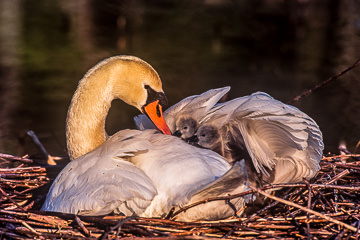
column 8, row 156
column 308, row 215
column 337, row 177
column 82, row 227
column 11, row 200
column 319, row 85
column 306, row 209
column 12, row 235
column 209, row 200
column 117, row 227
column 264, row 188
column 40, row 146
column 30, row 228
column 340, row 156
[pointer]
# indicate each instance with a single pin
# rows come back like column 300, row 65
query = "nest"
column 327, row 207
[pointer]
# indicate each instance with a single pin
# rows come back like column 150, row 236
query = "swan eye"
column 185, row 128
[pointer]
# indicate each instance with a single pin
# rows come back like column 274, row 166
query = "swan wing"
column 232, row 182
column 196, row 106
column 224, row 112
column 278, row 136
column 103, row 181
column 134, row 172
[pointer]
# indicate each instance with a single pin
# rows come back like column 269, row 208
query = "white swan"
column 281, row 143
column 135, row 172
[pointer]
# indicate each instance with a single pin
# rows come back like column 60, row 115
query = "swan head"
column 138, row 84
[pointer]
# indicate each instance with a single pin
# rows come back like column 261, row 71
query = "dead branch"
column 21, row 159
column 319, row 85
column 306, row 209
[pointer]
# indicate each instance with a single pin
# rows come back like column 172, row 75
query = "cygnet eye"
column 185, row 128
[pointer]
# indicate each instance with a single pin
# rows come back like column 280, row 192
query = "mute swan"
column 280, row 143
column 136, row 172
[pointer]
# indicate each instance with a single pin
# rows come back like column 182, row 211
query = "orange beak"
column 154, row 111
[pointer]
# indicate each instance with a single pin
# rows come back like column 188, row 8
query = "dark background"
column 279, row 47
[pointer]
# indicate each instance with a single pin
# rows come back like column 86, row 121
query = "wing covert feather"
column 272, row 132
column 120, row 186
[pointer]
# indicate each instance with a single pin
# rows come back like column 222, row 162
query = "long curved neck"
column 121, row 77
column 85, row 124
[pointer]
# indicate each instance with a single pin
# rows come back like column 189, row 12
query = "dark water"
column 279, row 47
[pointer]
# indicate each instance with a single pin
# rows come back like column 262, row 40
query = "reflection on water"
column 277, row 46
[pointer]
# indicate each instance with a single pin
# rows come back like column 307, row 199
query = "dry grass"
column 327, row 207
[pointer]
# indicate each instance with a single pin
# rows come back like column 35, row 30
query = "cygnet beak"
column 193, row 140
column 177, row 133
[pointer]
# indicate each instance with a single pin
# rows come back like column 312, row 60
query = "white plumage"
column 284, row 144
column 278, row 137
column 134, row 172
column 146, row 173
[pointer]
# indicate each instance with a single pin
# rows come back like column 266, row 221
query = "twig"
column 308, row 206
column 306, row 209
column 342, row 148
column 319, row 85
column 117, row 227
column 21, row 159
column 37, row 142
column 338, row 176
column 11, row 200
column 50, row 159
column 82, row 227
column 263, row 188
column 273, row 204
column 259, row 232
column 12, row 235
column 169, row 215
column 340, row 156
column 30, row 228
column 210, row 200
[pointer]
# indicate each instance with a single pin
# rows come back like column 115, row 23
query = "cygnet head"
column 208, row 137
column 185, row 127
